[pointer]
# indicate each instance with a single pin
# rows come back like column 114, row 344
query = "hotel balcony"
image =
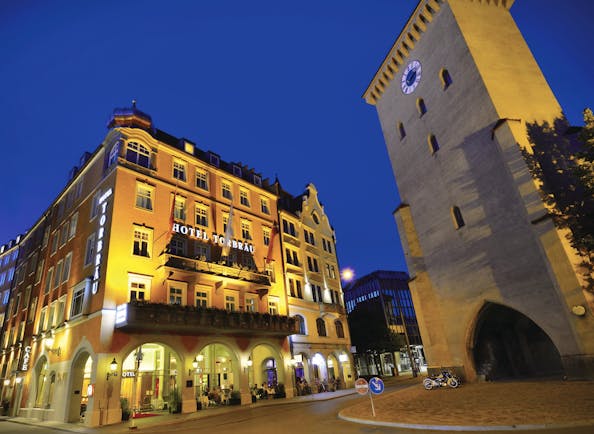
column 143, row 317
column 331, row 308
column 215, row 268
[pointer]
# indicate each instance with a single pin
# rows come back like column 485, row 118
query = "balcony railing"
column 219, row 269
column 331, row 308
column 143, row 317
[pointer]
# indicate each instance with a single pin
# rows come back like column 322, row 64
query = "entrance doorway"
column 508, row 344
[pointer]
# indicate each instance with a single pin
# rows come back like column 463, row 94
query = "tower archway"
column 508, row 344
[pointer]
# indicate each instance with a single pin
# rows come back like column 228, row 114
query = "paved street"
column 318, row 414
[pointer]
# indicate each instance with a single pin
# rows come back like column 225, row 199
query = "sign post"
column 376, row 386
column 362, row 388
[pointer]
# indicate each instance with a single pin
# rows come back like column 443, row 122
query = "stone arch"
column 76, row 383
column 508, row 344
column 268, row 363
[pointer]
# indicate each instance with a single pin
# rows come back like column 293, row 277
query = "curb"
column 466, row 427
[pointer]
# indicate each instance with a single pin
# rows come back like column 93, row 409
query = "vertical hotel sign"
column 102, row 205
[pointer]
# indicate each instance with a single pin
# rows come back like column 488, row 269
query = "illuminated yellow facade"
column 156, row 281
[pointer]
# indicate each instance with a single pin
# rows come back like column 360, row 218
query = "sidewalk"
column 172, row 419
column 481, row 406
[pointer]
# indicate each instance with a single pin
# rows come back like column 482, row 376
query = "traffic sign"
column 376, row 385
column 361, row 386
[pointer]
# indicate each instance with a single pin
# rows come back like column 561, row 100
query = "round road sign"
column 361, row 386
column 376, row 385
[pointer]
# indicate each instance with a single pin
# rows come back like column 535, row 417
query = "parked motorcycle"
column 446, row 378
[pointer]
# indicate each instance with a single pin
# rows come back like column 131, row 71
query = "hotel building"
column 158, row 274
column 497, row 288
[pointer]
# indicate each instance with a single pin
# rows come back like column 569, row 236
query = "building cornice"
column 411, row 33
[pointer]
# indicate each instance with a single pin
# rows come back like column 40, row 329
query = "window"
column 266, row 236
column 309, row 237
column 315, row 218
column 2, row 278
column 179, row 170
column 177, row 292
column 5, row 297
column 113, row 154
column 48, row 280
column 55, row 239
column 433, row 145
column 32, row 309
column 201, row 215
column 226, row 190
column 246, row 230
column 58, row 273
column 52, row 315
column 421, row 107
column 202, row 179
column 237, row 171
column 76, row 307
column 66, row 269
column 231, row 302
column 144, row 196
column 202, row 251
column 10, row 274
column 330, row 271
column 202, row 297
column 251, row 303
column 61, row 310
column 244, row 197
column 339, row 329
column 316, row 292
column 95, row 205
column 179, row 211
column 138, row 154
column 142, row 242
column 289, row 228
column 46, row 235
column 273, row 307
column 300, row 324
column 264, row 205
column 41, row 323
column 321, row 326
column 446, row 79
column 214, row 159
column 90, row 250
column 139, row 287
column 457, row 217
column 177, row 246
column 312, row 264
column 292, row 257
column 257, row 180
column 295, row 288
column 401, row 130
column 73, row 223
column 64, row 230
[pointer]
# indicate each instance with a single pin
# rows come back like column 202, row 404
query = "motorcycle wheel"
column 427, row 384
column 453, row 382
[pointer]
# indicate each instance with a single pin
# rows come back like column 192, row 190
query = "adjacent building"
column 496, row 286
column 158, row 274
column 385, row 295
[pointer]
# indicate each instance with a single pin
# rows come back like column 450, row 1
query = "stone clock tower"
column 494, row 282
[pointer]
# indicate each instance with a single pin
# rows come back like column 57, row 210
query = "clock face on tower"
column 411, row 77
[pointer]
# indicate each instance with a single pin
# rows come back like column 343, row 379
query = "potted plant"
column 125, row 408
column 175, row 402
column 235, row 398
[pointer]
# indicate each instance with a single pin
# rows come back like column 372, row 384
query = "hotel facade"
column 498, row 290
column 162, row 272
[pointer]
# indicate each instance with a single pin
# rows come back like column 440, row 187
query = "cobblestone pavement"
column 556, row 403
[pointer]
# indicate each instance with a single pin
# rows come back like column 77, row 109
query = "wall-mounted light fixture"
column 49, row 343
column 113, row 369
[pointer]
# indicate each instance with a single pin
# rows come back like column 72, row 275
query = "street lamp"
column 113, row 368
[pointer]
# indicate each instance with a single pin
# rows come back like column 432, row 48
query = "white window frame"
column 144, row 196
column 139, row 279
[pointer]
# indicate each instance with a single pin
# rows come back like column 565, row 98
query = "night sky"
column 275, row 85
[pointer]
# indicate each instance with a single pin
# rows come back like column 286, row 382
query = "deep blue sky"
column 276, row 85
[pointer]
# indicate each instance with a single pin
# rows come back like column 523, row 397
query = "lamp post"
column 135, row 398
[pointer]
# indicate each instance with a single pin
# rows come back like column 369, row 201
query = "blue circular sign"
column 376, row 385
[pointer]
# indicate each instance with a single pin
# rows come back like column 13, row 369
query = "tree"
column 562, row 160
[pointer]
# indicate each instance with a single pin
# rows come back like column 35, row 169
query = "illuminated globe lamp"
column 347, row 274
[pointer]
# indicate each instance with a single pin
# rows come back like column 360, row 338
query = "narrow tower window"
column 433, row 145
column 401, row 130
column 446, row 79
column 421, row 106
column 457, row 217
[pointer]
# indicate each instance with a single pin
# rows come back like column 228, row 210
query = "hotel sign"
column 102, row 204
column 216, row 238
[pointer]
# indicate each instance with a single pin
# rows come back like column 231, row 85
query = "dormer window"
column 214, row 159
column 138, row 154
column 258, row 180
column 237, row 171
